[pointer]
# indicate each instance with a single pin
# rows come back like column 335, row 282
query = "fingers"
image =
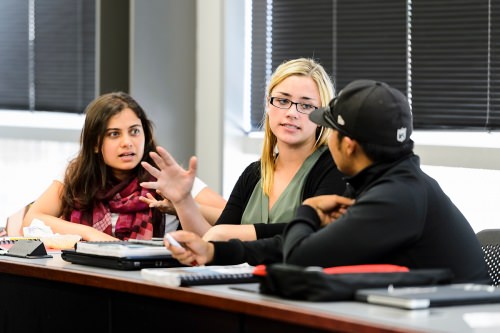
column 192, row 251
column 328, row 203
column 342, row 210
column 149, row 185
column 151, row 169
column 150, row 200
column 161, row 158
column 159, row 161
column 164, row 156
column 184, row 256
column 173, row 245
column 145, row 200
column 344, row 201
column 193, row 164
column 164, row 160
column 186, row 237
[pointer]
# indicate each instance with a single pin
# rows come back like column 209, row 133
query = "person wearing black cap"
column 393, row 212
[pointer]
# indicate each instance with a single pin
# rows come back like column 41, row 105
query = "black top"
column 323, row 178
column 401, row 216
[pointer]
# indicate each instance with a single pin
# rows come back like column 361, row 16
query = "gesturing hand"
column 172, row 181
column 164, row 206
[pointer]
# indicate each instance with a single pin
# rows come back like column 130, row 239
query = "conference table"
column 52, row 295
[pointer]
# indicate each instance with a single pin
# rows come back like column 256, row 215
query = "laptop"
column 423, row 297
column 120, row 263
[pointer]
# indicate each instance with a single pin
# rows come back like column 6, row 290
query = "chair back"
column 490, row 242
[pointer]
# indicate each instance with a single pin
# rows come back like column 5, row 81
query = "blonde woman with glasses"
column 295, row 163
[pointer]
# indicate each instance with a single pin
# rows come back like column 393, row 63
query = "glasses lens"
column 285, row 103
column 305, row 108
column 281, row 103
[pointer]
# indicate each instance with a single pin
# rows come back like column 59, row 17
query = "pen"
column 175, row 243
column 172, row 241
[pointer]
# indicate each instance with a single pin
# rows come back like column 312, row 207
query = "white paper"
column 37, row 229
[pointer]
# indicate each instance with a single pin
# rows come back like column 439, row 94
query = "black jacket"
column 401, row 216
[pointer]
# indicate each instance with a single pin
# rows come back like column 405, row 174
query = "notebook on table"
column 430, row 296
column 121, row 263
column 201, row 275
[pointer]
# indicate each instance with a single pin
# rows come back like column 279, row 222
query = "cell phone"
column 172, row 241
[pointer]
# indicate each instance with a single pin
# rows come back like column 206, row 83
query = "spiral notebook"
column 200, row 275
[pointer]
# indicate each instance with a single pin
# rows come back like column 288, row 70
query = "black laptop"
column 422, row 297
column 120, row 263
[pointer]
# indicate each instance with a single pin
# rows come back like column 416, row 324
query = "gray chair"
column 490, row 242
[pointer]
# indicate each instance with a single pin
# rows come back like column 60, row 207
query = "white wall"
column 209, row 91
column 27, row 168
column 163, row 72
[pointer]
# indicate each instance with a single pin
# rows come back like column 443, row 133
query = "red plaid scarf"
column 135, row 218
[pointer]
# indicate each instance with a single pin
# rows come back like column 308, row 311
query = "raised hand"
column 172, row 181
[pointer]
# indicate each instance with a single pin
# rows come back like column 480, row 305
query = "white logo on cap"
column 340, row 120
column 401, row 135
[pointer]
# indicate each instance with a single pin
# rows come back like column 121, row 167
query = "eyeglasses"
column 285, row 103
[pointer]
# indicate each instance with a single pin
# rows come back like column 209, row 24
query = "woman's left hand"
column 164, row 206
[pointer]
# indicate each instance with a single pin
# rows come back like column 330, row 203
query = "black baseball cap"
column 368, row 111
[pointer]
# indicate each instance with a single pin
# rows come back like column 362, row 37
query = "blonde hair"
column 299, row 67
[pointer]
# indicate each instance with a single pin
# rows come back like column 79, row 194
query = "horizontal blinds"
column 56, row 70
column 493, row 119
column 258, row 62
column 449, row 66
column 14, row 55
column 64, row 55
column 371, row 42
column 450, row 63
column 302, row 29
column 344, row 36
column 295, row 29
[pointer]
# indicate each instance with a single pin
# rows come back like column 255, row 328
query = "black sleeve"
column 265, row 230
column 235, row 251
column 367, row 233
column 238, row 200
